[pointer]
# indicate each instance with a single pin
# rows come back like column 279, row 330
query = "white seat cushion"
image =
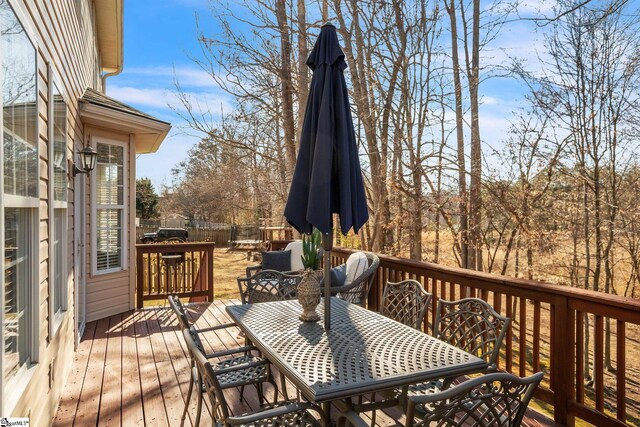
column 296, row 254
column 357, row 263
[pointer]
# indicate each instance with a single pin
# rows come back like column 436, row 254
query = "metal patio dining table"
column 362, row 352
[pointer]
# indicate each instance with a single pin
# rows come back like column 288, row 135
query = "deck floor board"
column 133, row 369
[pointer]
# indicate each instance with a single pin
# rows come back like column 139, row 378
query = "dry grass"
column 227, row 266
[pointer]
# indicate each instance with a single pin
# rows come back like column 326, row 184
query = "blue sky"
column 160, row 35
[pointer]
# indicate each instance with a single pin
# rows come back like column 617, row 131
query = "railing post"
column 139, row 278
column 210, row 272
column 563, row 359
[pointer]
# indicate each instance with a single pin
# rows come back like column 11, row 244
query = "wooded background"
column 557, row 200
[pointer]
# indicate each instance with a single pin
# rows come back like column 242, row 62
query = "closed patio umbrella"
column 327, row 177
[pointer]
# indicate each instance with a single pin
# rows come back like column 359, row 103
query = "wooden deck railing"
column 185, row 269
column 547, row 333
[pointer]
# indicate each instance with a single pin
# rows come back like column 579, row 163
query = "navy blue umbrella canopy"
column 327, row 178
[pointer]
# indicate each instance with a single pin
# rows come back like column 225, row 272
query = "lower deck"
column 133, row 369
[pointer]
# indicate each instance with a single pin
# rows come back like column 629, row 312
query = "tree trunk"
column 303, row 70
column 382, row 237
column 475, row 196
column 462, row 173
column 288, row 122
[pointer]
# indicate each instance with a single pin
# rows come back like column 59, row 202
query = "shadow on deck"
column 133, row 369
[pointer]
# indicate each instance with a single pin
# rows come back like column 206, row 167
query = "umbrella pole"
column 327, row 245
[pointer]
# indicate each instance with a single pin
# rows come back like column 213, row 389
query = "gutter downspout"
column 103, row 79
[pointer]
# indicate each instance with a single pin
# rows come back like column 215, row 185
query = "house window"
column 58, row 212
column 20, row 198
column 109, row 207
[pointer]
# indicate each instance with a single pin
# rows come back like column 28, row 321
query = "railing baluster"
column 522, row 348
column 580, row 357
column 139, row 279
column 536, row 336
column 598, row 359
column 509, row 350
column 621, row 370
column 210, row 284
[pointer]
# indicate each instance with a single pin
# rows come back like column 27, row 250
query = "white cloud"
column 490, row 100
column 187, row 76
column 163, row 99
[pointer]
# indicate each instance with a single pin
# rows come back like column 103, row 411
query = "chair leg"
column 283, row 381
column 186, row 403
column 199, row 409
column 274, row 383
column 260, row 393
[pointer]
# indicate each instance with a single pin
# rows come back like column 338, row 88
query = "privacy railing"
column 185, row 269
column 551, row 324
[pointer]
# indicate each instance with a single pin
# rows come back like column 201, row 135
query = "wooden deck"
column 133, row 369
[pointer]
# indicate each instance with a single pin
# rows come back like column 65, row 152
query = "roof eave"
column 110, row 23
column 149, row 133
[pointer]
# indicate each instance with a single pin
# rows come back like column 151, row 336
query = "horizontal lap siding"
column 109, row 293
column 67, row 44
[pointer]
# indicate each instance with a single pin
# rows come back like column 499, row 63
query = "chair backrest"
column 211, row 385
column 405, row 302
column 296, row 255
column 268, row 285
column 180, row 311
column 357, row 291
column 498, row 399
column 472, row 325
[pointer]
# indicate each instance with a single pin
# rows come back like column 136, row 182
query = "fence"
column 185, row 269
column 221, row 236
column 547, row 333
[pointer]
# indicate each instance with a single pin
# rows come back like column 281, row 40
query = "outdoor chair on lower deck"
column 286, row 413
column 237, row 366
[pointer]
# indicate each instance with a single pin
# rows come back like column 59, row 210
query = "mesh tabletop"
column 363, row 350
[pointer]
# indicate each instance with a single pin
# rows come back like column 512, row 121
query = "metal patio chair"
column 498, row 399
column 238, row 367
column 268, row 285
column 356, row 292
column 405, row 302
column 472, row 325
column 285, row 413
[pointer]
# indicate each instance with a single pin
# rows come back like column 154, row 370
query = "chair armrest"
column 253, row 269
column 240, row 367
column 242, row 285
column 231, row 351
column 285, row 408
column 216, row 328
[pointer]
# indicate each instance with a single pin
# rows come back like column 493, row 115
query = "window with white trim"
column 58, row 195
column 20, row 198
column 109, row 207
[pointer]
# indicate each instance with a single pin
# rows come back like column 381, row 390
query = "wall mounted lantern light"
column 88, row 157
